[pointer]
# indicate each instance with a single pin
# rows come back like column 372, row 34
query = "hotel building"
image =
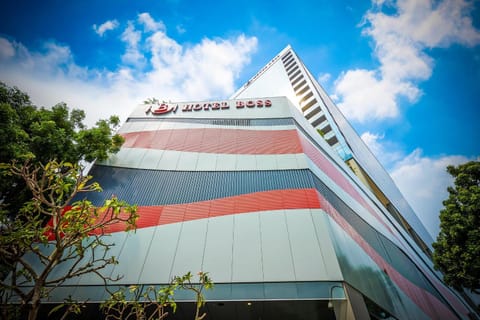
column 274, row 194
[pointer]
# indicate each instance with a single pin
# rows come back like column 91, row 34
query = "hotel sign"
column 164, row 108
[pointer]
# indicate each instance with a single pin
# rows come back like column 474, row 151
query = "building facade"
column 273, row 194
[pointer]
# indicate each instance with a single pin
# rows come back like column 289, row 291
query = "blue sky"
column 405, row 73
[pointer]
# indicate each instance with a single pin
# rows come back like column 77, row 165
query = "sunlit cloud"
column 180, row 29
column 149, row 23
column 153, row 65
column 133, row 55
column 423, row 182
column 6, row 49
column 106, row 26
column 365, row 95
column 401, row 39
column 324, row 78
column 387, row 152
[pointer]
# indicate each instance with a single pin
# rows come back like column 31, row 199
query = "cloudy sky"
column 405, row 73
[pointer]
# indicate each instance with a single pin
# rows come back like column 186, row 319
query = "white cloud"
column 428, row 23
column 373, row 141
column 132, row 37
column 149, row 23
column 180, row 29
column 6, row 49
column 365, row 95
column 400, row 42
column 387, row 152
column 324, row 78
column 106, row 26
column 423, row 181
column 153, row 65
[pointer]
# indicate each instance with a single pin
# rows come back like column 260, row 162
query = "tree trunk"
column 35, row 305
column 33, row 312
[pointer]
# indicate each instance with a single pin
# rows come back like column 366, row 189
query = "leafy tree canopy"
column 45, row 134
column 457, row 249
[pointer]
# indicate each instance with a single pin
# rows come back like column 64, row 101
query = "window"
column 308, row 105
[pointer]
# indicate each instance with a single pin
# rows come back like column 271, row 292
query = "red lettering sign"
column 207, row 106
column 187, row 107
column 164, row 108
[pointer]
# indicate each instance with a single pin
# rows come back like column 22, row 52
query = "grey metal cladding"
column 159, row 187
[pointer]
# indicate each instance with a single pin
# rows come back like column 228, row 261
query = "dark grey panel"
column 156, row 187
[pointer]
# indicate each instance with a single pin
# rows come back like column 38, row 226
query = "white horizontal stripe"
column 196, row 161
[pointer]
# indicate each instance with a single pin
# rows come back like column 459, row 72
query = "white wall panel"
column 226, row 162
column 266, row 162
column 286, row 161
column 187, row 161
column 218, row 257
column 133, row 255
column 206, row 162
column 247, row 253
column 159, row 261
column 276, row 251
column 151, row 159
column 308, row 256
column 190, row 249
column 169, row 160
column 246, row 162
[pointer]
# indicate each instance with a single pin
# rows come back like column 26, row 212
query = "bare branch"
column 53, row 231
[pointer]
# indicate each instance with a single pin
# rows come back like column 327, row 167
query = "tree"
column 457, row 249
column 41, row 256
column 41, row 135
column 151, row 303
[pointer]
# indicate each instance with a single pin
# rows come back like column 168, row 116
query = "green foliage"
column 185, row 282
column 98, row 142
column 139, row 302
column 45, row 134
column 151, row 101
column 457, row 249
column 72, row 241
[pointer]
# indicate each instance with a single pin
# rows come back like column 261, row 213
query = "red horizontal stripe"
column 150, row 216
column 217, row 140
